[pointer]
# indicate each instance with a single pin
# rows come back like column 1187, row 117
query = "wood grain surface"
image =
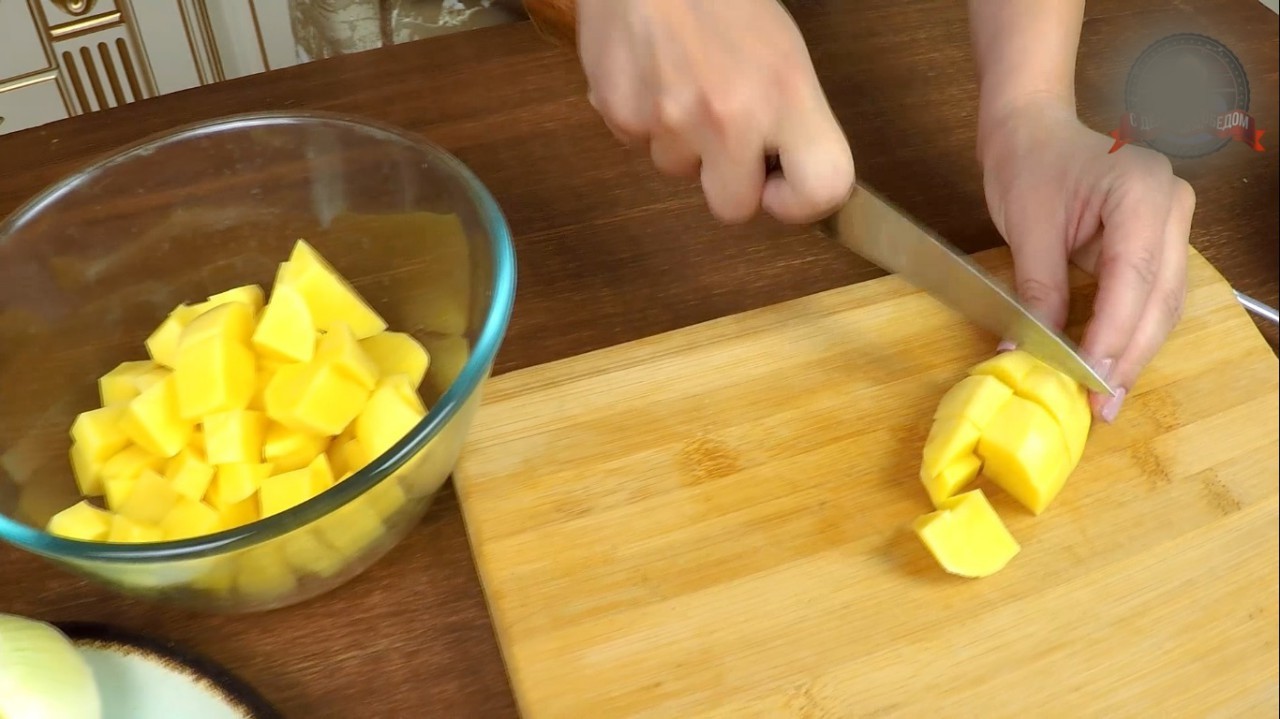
column 716, row 522
column 609, row 252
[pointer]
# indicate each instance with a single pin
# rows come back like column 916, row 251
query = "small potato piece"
column 1023, row 452
column 153, row 422
column 330, row 298
column 128, row 531
column 150, row 500
column 250, row 295
column 966, row 536
column 286, row 330
column 189, row 519
column 398, row 353
column 81, row 521
column 234, row 436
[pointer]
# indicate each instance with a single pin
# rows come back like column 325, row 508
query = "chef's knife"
column 873, row 228
column 878, row 231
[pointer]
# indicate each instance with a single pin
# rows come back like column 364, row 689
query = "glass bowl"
column 93, row 264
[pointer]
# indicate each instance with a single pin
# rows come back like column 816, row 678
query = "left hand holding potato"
column 1056, row 195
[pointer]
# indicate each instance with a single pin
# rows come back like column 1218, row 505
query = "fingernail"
column 1103, row 369
column 1111, row 407
column 1005, row 346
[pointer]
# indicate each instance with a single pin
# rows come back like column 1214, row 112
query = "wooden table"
column 609, row 251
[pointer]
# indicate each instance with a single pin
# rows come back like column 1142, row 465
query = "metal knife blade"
column 880, row 232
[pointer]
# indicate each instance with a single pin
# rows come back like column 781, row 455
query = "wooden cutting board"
column 715, row 522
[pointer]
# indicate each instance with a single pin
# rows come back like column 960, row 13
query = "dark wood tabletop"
column 609, row 251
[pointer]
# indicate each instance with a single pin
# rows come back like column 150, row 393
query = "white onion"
column 42, row 674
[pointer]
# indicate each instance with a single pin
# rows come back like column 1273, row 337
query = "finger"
column 733, row 176
column 621, row 113
column 673, row 156
column 1164, row 306
column 817, row 168
column 1040, row 267
column 1134, row 217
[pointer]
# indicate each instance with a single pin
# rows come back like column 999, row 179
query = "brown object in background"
column 555, row 18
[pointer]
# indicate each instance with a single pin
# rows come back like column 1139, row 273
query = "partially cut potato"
column 1019, row 422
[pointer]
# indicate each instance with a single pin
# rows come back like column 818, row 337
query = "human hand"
column 1056, row 195
column 712, row 88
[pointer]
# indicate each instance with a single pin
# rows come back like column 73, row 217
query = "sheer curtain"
column 324, row 28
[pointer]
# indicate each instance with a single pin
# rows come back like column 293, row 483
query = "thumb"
column 1040, row 275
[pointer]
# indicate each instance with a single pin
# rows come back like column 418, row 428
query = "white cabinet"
column 69, row 57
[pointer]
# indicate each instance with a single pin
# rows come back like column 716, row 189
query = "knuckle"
column 1144, row 264
column 675, row 111
column 1174, row 303
column 1184, row 195
column 1035, row 291
column 724, row 108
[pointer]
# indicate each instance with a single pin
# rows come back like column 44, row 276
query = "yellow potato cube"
column 87, row 471
column 306, row 553
column 351, row 529
column 340, row 348
column 234, row 483
column 231, row 322
column 219, row 577
column 385, row 419
column 289, row 449
column 951, row 479
column 128, row 531
column 397, row 353
column 189, row 474
column 314, row 397
column 976, row 398
column 234, row 436
column 1008, row 367
column 250, row 295
column 189, row 519
column 162, row 345
column 949, row 440
column 966, row 536
column 152, row 420
column 1023, row 452
column 283, row 491
column 385, row 498
column 117, row 491
column 150, row 499
column 263, row 574
column 214, row 374
column 1066, row 400
column 97, row 432
column 286, row 330
column 81, row 521
column 348, row 456
column 321, row 473
column 119, row 385
column 144, row 381
column 130, row 462
column 330, row 298
column 239, row 514
column 401, row 383
column 196, row 442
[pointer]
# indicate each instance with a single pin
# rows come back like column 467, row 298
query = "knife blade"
column 880, row 232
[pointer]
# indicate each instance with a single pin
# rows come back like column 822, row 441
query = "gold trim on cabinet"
column 75, row 7
column 210, row 40
column 146, row 76
column 28, row 80
column 257, row 30
column 89, row 24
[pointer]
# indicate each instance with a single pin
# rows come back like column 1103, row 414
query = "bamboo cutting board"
column 714, row 522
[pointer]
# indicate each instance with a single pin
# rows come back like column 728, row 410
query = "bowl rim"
column 460, row 391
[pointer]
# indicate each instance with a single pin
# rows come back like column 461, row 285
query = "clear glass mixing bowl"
column 89, row 267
